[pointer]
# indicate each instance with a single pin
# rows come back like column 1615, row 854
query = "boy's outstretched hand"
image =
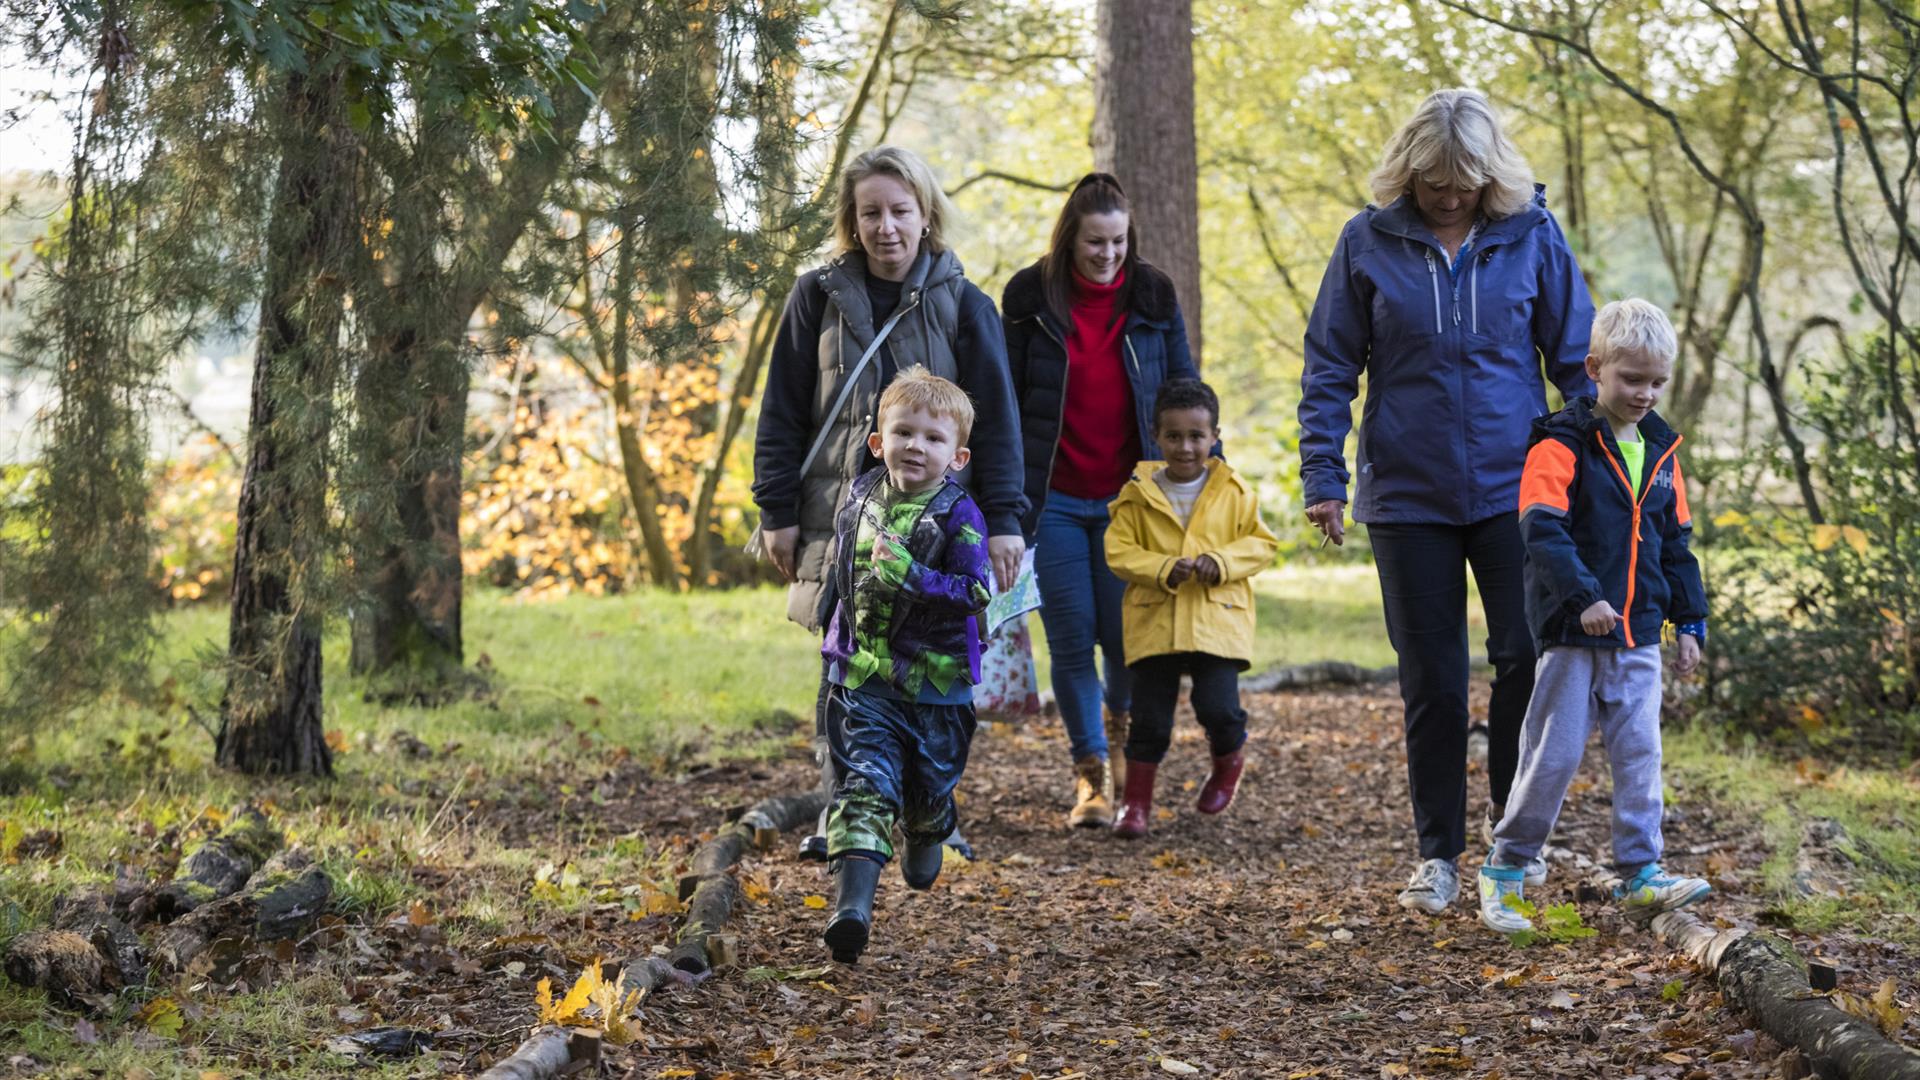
column 1687, row 660
column 1599, row 618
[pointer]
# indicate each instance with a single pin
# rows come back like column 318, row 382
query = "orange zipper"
column 1633, row 545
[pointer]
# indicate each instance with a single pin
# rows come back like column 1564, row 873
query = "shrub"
column 1815, row 622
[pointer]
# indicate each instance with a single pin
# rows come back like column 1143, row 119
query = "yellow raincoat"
column 1145, row 540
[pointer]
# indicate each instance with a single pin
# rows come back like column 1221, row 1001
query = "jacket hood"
column 1153, row 294
column 1579, row 421
column 1402, row 218
column 1141, row 489
column 929, row 269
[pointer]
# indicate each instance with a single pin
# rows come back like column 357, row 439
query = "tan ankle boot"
column 1118, row 725
column 1092, row 808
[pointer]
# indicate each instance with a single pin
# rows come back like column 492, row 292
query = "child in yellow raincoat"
column 1186, row 535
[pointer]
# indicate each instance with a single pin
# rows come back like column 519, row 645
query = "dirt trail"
column 1265, row 943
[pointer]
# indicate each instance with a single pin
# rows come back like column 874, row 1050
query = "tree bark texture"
column 220, row 867
column 1761, row 974
column 547, row 1052
column 409, row 616
column 1143, row 134
column 710, row 890
column 270, row 718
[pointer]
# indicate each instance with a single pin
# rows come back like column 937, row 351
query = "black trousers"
column 1423, row 582
column 1216, row 703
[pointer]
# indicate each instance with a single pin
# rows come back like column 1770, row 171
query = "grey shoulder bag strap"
column 756, row 544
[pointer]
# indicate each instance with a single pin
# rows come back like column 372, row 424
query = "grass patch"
column 1878, row 811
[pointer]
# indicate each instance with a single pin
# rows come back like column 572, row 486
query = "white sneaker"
column 1536, row 873
column 1477, row 744
column 1432, row 889
column 1497, row 883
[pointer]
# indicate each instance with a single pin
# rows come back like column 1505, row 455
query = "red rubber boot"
column 1136, row 806
column 1217, row 793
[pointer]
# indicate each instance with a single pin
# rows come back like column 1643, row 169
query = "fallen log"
column 1762, row 974
column 707, row 912
column 61, row 962
column 281, row 900
column 90, row 913
column 546, row 1053
column 1319, row 673
column 709, row 889
column 221, row 866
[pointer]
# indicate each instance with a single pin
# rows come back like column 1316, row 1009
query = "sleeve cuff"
column 779, row 517
column 1697, row 628
column 1004, row 523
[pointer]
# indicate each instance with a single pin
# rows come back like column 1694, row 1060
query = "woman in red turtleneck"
column 1092, row 332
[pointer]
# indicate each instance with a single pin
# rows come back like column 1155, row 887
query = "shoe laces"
column 1433, row 873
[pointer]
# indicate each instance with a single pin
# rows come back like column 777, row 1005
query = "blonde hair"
column 910, row 169
column 918, row 388
column 1633, row 325
column 1455, row 138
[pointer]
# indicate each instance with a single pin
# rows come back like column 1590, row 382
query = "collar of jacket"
column 1402, row 218
column 1579, row 421
column 1140, row 488
column 1154, row 301
column 930, row 269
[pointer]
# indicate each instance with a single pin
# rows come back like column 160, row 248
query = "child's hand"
column 1599, row 618
column 1182, row 570
column 891, row 559
column 1687, row 661
column 1207, row 570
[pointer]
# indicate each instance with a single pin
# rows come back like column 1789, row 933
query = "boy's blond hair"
column 1633, row 325
column 918, row 388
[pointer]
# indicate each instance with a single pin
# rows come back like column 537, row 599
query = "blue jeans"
column 1080, row 607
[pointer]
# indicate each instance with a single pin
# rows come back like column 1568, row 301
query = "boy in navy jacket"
column 1603, row 510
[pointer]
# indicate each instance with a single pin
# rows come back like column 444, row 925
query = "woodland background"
column 380, row 378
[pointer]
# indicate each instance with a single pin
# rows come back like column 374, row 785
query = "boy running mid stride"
column 1603, row 511
column 903, row 648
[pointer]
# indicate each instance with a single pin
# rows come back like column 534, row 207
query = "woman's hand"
column 1329, row 517
column 1005, row 552
column 781, row 545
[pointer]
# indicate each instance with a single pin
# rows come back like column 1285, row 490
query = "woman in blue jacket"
column 1459, row 298
column 1092, row 332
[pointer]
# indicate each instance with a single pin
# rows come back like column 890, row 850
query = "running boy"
column 903, row 649
column 1185, row 537
column 1603, row 510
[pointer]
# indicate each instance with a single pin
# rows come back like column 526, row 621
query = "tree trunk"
column 643, row 487
column 407, row 620
column 1143, row 134
column 409, row 616
column 270, row 717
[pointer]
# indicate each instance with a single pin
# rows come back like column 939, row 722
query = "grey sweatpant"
column 1575, row 690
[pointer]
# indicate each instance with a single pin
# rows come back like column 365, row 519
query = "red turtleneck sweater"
column 1099, row 437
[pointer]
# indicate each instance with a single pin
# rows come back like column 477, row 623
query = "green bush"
column 1815, row 620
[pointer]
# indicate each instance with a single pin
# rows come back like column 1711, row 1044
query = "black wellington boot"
column 852, row 921
column 920, row 866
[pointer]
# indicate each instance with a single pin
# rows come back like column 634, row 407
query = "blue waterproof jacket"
column 1453, row 359
column 1593, row 536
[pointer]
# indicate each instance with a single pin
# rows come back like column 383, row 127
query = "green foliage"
column 1557, row 924
column 1817, row 624
column 74, row 573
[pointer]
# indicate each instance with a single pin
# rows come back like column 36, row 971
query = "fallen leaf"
column 1178, row 1067
column 1560, row 1000
column 816, row 902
